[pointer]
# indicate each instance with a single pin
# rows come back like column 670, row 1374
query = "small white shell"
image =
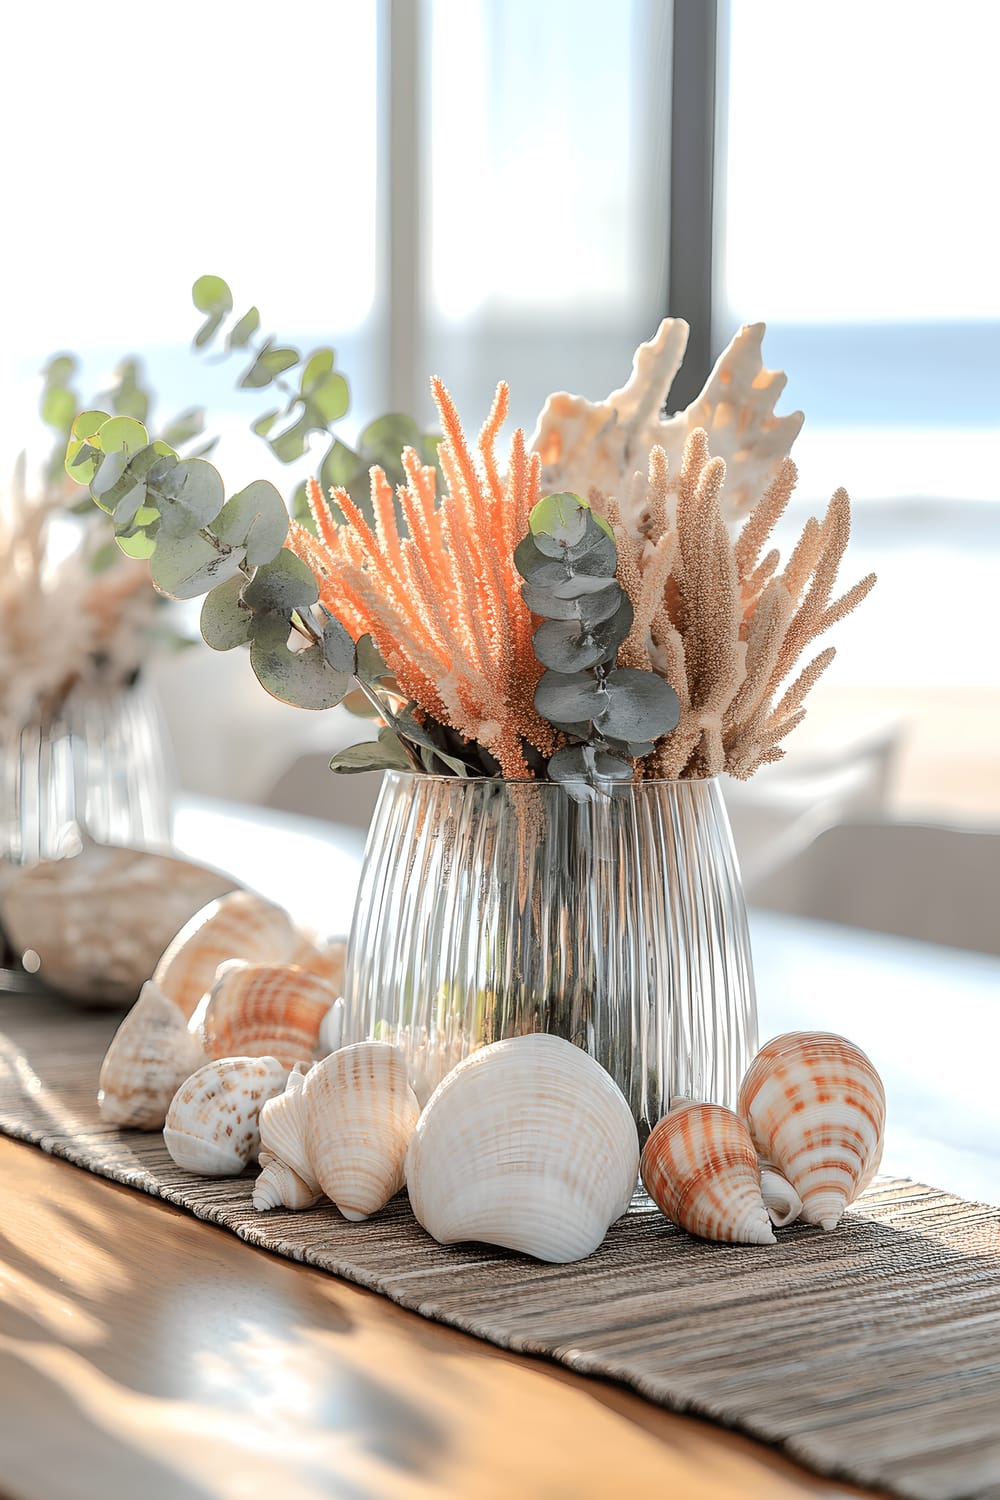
column 212, row 1123
column 287, row 1178
column 240, row 925
column 529, row 1144
column 700, row 1167
column 150, row 1055
column 360, row 1116
column 816, row 1108
column 331, row 1029
column 782, row 1202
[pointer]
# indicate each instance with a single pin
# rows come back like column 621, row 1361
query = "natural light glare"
column 229, row 137
column 854, row 185
column 537, row 182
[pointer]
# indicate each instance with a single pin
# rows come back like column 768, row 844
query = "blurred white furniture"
column 941, row 884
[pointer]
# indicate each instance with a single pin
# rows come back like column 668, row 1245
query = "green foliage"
column 313, row 397
column 568, row 561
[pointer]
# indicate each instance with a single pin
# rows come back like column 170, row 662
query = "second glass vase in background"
column 488, row 909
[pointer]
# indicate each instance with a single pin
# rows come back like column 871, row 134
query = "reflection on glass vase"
column 95, row 763
column 487, row 909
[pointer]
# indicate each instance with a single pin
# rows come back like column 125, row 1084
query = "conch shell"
column 782, row 1202
column 212, row 1123
column 816, row 1108
column 602, row 445
column 360, row 1114
column 150, row 1055
column 266, row 1010
column 700, row 1167
column 286, row 1178
column 240, row 925
column 528, row 1144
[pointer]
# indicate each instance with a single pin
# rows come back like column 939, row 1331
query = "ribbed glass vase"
column 487, row 909
column 96, row 762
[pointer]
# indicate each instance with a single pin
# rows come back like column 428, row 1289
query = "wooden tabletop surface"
column 144, row 1353
column 149, row 1356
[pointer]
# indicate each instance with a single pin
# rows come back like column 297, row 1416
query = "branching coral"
column 720, row 622
column 443, row 601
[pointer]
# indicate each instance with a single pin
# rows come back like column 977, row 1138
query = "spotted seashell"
column 700, row 1168
column 815, row 1106
column 266, row 1010
column 212, row 1123
column 527, row 1143
column 360, row 1116
column 150, row 1055
column 286, row 1178
column 239, row 925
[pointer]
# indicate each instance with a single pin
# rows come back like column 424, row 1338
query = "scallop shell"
column 782, row 1202
column 816, row 1108
column 150, row 1055
column 528, row 1144
column 603, row 444
column 265, row 1010
column 212, row 1123
column 241, row 925
column 360, row 1116
column 700, row 1167
column 99, row 919
column 287, row 1177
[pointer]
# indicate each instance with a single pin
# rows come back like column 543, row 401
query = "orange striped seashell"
column 816, row 1108
column 700, row 1168
column 326, row 958
column 266, row 1010
column 240, row 925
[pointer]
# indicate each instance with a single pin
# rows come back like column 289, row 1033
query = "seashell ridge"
column 700, row 1168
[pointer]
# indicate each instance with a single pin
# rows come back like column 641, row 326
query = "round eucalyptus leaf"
column 535, row 566
column 330, row 396
column 338, row 646
column 122, row 434
column 110, row 472
column 58, row 407
column 225, row 620
column 87, row 423
column 370, row 666
column 243, row 330
column 383, row 754
column 578, row 584
column 60, row 369
column 82, row 461
column 561, row 646
column 196, row 499
column 588, row 763
column 282, row 585
column 127, row 510
column 257, row 518
column 139, row 545
column 562, row 517
column 184, row 567
column 542, row 601
column 315, row 366
column 614, row 630
column 638, row 706
column 212, row 295
column 568, row 697
column 302, row 678
column 594, row 609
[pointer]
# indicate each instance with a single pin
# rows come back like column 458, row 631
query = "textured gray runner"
column 870, row 1354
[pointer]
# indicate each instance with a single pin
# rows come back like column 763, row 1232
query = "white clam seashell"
column 360, row 1116
column 528, row 1144
column 815, row 1106
column 240, row 925
column 331, row 1029
column 603, row 444
column 287, row 1177
column 700, row 1168
column 99, row 919
column 782, row 1202
column 265, row 1010
column 212, row 1123
column 150, row 1055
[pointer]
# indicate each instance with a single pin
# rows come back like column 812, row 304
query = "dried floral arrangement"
column 598, row 608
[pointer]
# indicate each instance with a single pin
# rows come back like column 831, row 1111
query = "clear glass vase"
column 487, row 909
column 96, row 763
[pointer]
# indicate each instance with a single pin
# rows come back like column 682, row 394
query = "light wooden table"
column 144, row 1354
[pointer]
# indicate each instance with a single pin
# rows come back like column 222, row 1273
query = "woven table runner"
column 870, row 1354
